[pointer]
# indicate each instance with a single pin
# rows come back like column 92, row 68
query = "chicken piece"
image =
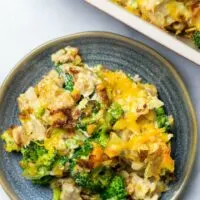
column 85, row 81
column 140, row 188
column 28, row 100
column 34, row 128
column 102, row 94
column 49, row 88
column 69, row 190
column 66, row 55
column 19, row 136
column 154, row 102
column 62, row 101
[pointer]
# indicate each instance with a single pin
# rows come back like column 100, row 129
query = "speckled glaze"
column 115, row 52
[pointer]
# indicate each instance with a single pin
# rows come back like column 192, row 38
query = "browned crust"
column 69, row 123
column 101, row 91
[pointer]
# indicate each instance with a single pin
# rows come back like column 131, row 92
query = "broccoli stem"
column 56, row 193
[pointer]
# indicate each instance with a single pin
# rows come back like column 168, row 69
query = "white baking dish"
column 181, row 46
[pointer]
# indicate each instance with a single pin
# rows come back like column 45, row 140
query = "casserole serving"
column 180, row 45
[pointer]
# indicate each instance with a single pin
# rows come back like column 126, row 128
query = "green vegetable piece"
column 196, row 39
column 116, row 190
column 88, row 120
column 58, row 69
column 60, row 162
column 88, row 115
column 95, row 181
column 82, row 179
column 92, row 107
column 41, row 161
column 69, row 84
column 33, row 151
column 114, row 113
column 101, row 136
column 81, row 126
column 83, row 151
column 68, row 79
column 10, row 144
column 100, row 178
column 56, row 193
column 160, row 111
column 43, row 181
column 162, row 119
column 39, row 112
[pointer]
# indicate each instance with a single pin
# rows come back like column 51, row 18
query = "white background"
column 25, row 24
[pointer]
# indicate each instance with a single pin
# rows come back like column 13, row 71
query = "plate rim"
column 109, row 35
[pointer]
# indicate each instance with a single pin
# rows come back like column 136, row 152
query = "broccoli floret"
column 33, row 151
column 75, row 141
column 60, row 160
column 162, row 119
column 92, row 107
column 84, row 122
column 43, row 181
column 116, row 190
column 83, row 151
column 101, row 135
column 100, row 178
column 114, row 113
column 80, row 153
column 88, row 115
column 196, row 39
column 95, row 180
column 68, row 79
column 37, row 162
column 59, row 165
column 81, row 126
column 160, row 111
column 39, row 170
column 35, row 170
column 82, row 179
column 10, row 144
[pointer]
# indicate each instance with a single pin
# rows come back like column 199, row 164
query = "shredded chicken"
column 19, row 135
column 141, row 188
column 28, row 100
column 69, row 190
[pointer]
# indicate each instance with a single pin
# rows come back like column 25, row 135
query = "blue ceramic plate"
column 115, row 52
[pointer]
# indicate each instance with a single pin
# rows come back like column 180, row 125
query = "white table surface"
column 25, row 24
